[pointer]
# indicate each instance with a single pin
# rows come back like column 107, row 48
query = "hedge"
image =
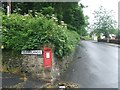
column 27, row 32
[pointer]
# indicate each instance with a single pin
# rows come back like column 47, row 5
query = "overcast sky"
column 95, row 4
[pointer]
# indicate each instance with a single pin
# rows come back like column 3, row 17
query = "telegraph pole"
column 8, row 7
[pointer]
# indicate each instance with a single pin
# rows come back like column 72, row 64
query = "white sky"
column 95, row 4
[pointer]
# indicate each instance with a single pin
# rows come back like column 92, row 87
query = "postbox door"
column 47, row 58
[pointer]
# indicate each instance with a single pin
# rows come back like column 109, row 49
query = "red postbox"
column 47, row 57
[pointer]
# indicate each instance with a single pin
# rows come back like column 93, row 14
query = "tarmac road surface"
column 95, row 66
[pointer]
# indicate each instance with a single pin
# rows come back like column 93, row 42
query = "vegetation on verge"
column 22, row 32
column 58, row 25
column 69, row 12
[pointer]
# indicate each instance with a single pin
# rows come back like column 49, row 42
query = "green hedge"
column 27, row 32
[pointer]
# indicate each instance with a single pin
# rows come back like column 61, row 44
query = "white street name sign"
column 32, row 52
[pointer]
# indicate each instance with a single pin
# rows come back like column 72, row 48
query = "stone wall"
column 65, row 62
column 33, row 65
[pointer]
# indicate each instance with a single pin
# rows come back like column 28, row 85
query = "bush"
column 28, row 32
column 87, row 38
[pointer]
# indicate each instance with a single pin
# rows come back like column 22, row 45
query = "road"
column 95, row 66
column 10, row 80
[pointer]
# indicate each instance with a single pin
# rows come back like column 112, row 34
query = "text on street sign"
column 32, row 52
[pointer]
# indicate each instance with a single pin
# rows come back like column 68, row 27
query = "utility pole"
column 8, row 7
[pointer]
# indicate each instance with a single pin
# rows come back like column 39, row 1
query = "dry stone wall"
column 33, row 65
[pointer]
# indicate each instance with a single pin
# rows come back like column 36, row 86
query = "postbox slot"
column 47, row 55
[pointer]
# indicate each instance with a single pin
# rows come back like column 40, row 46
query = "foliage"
column 117, row 34
column 87, row 38
column 104, row 22
column 27, row 32
column 69, row 12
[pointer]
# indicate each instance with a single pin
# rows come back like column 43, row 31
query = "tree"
column 104, row 22
column 69, row 12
